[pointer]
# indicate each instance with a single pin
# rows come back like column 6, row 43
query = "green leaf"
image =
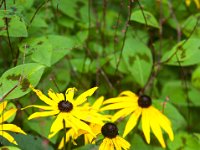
column 190, row 24
column 9, row 148
column 136, row 61
column 28, row 73
column 29, row 142
column 16, row 25
column 47, row 50
column 137, row 143
column 144, row 17
column 39, row 48
column 183, row 140
column 185, row 53
column 196, row 77
column 177, row 93
column 60, row 73
column 76, row 9
column 87, row 147
column 44, row 129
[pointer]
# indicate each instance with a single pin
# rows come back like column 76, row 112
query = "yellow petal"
column 146, row 124
column 43, row 97
column 117, row 106
column 97, row 104
column 3, row 106
column 42, row 107
column 61, row 145
column 43, row 114
column 164, row 123
column 83, row 97
column 57, row 97
column 118, row 100
column 86, row 116
column 81, row 125
column 116, row 144
column 197, row 2
column 188, row 2
column 58, row 124
column 124, row 144
column 110, row 145
column 132, row 121
column 69, row 94
column 7, row 115
column 89, row 139
column 8, row 137
column 155, row 127
column 122, row 113
column 103, row 144
column 13, row 128
column 130, row 94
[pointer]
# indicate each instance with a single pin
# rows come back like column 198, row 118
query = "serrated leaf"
column 185, row 53
column 28, row 73
column 144, row 17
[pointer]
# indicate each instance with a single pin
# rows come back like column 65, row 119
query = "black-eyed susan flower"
column 5, row 128
column 72, row 112
column 112, row 140
column 130, row 104
column 96, row 128
column 197, row 3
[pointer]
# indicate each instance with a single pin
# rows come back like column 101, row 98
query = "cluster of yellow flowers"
column 79, row 117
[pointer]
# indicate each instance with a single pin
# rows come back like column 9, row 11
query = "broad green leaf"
column 176, row 92
column 76, row 9
column 28, row 73
column 191, row 23
column 28, row 141
column 196, row 78
column 9, row 148
column 16, row 25
column 185, row 53
column 60, row 73
column 47, row 50
column 184, row 140
column 139, row 143
column 136, row 61
column 44, row 129
column 144, row 17
column 39, row 48
column 87, row 147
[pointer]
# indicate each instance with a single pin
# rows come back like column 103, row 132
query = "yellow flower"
column 197, row 2
column 130, row 103
column 112, row 141
column 4, row 116
column 70, row 112
column 96, row 128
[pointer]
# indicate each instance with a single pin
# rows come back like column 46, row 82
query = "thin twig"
column 125, row 31
column 7, row 30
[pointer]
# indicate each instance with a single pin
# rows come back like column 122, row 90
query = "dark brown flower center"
column 144, row 101
column 109, row 130
column 65, row 106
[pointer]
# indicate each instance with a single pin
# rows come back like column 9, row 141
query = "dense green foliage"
column 150, row 47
